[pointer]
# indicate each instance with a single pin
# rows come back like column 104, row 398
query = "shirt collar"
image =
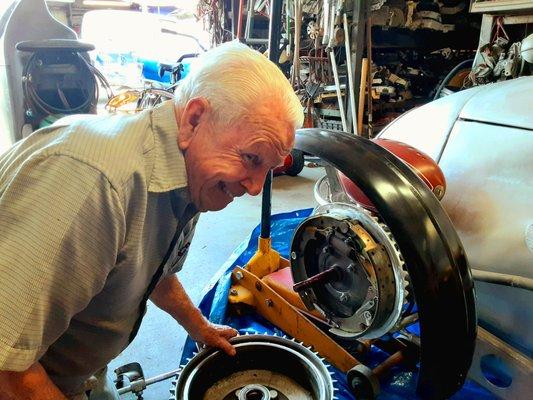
column 169, row 170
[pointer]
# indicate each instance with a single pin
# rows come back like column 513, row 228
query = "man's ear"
column 194, row 113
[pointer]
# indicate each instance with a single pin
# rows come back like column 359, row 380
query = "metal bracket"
column 135, row 376
column 517, row 365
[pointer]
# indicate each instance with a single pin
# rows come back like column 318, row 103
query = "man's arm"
column 62, row 227
column 170, row 296
column 32, row 384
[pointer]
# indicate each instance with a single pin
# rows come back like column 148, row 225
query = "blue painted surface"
column 151, row 70
column 401, row 384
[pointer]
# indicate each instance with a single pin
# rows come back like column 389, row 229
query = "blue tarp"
column 400, row 385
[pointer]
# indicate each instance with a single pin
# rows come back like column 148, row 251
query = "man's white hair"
column 235, row 79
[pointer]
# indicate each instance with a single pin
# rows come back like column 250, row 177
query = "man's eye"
column 251, row 159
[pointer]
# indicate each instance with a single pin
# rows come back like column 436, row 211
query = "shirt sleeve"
column 62, row 225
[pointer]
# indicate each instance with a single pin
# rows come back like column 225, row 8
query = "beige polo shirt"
column 85, row 221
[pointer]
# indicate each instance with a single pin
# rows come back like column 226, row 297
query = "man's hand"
column 170, row 296
column 214, row 335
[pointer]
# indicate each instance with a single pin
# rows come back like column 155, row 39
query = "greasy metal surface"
column 262, row 364
column 382, row 235
column 432, row 250
column 278, row 311
column 519, row 367
column 360, row 297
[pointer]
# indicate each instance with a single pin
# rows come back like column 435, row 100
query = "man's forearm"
column 170, row 296
column 32, row 384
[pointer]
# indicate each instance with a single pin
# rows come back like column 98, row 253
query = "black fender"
column 435, row 258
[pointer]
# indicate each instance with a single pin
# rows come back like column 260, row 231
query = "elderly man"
column 97, row 215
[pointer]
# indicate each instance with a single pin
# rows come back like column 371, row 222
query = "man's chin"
column 211, row 206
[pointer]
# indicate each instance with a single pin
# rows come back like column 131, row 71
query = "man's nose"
column 254, row 183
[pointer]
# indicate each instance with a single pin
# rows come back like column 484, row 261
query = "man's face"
column 226, row 163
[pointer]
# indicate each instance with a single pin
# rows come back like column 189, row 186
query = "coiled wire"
column 87, row 77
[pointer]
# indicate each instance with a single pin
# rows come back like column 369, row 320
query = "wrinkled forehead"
column 269, row 131
column 271, row 123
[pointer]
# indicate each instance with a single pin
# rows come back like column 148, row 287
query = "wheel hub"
column 362, row 286
column 264, row 368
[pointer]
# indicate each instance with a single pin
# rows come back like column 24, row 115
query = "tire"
column 297, row 163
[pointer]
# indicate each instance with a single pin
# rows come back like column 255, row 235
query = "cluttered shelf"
column 386, row 37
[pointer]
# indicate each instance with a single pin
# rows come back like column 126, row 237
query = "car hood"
column 505, row 103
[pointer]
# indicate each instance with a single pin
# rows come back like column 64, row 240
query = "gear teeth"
column 404, row 272
column 330, row 382
column 376, row 226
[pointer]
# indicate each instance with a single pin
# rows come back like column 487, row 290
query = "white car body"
column 482, row 139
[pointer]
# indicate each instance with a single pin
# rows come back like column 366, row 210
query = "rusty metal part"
column 329, row 275
column 277, row 310
column 265, row 367
column 364, row 382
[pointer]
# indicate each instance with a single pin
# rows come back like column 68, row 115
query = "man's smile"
column 228, row 192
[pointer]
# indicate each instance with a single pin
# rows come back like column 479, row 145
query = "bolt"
column 258, row 286
column 29, row 112
column 239, row 275
column 273, row 394
column 233, row 292
column 269, row 302
column 367, row 315
column 293, row 255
